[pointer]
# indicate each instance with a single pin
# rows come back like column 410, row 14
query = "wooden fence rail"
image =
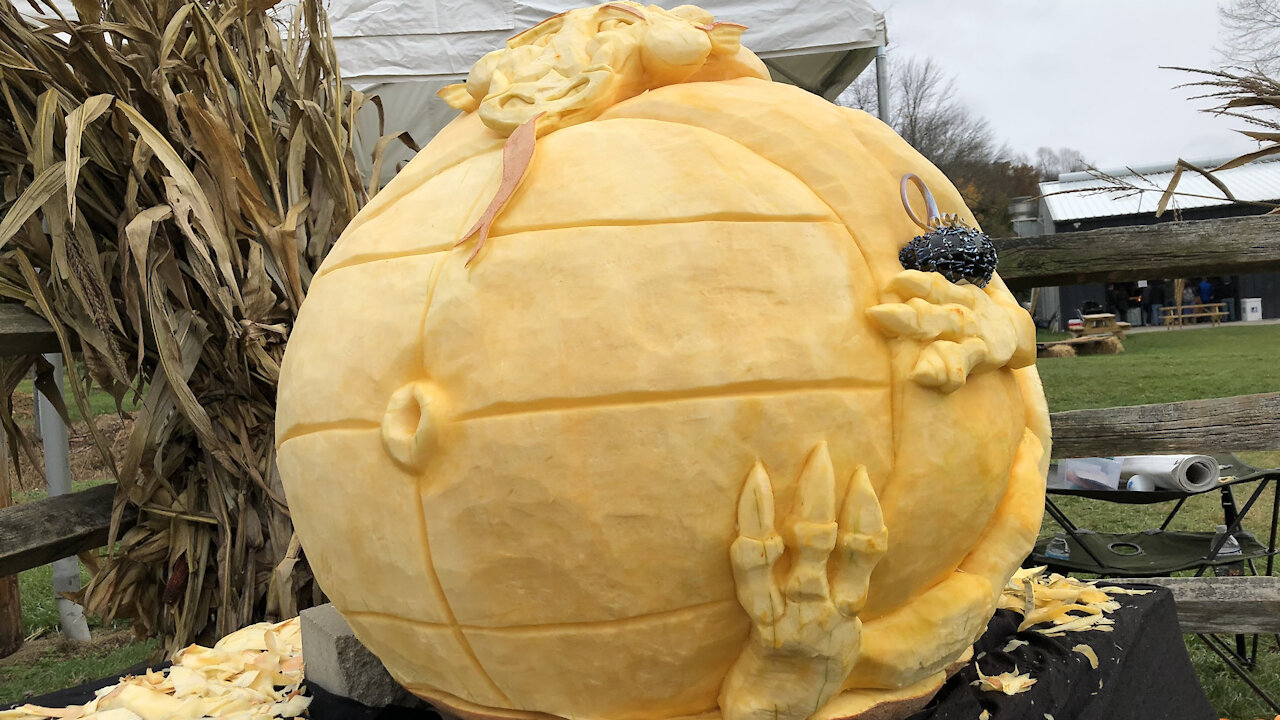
column 37, row 533
column 1221, row 604
column 1246, row 422
column 1226, row 246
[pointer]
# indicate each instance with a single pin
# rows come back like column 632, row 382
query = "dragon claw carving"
column 966, row 329
column 805, row 631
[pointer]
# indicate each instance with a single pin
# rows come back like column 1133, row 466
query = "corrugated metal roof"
column 1077, row 196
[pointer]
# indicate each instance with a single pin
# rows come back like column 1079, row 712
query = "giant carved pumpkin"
column 673, row 431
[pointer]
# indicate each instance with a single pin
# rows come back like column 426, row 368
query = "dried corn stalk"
column 174, row 171
column 1245, row 94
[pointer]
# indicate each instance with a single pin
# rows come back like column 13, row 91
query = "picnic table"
column 1100, row 324
column 1170, row 315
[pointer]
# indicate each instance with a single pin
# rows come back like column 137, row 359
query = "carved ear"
column 693, row 14
column 458, row 98
column 547, row 27
column 409, row 430
column 618, row 11
column 726, row 38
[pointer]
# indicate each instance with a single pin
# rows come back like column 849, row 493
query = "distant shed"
column 1129, row 196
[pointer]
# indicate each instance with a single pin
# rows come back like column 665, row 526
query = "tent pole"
column 882, row 83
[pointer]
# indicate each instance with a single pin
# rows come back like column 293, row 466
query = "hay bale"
column 1057, row 351
column 1104, row 346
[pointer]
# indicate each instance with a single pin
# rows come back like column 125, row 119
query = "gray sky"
column 1076, row 73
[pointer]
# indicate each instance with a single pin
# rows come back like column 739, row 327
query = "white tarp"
column 406, row 50
column 397, row 40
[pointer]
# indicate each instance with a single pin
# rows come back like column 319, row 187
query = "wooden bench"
column 1215, row 311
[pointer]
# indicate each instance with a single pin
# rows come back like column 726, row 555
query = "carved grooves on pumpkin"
column 724, row 217
column 437, row 588
column 637, row 398
column 720, row 217
column 757, row 388
column 850, row 218
column 448, row 609
column 909, row 655
column 366, row 258
column 385, row 200
column 553, row 628
column 843, row 218
column 300, row 429
column 441, row 697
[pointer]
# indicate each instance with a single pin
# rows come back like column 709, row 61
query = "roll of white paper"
column 1186, row 473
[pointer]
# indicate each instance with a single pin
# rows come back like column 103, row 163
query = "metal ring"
column 931, row 206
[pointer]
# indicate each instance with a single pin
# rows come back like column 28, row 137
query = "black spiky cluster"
column 957, row 252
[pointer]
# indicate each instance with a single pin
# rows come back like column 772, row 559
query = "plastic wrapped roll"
column 1186, row 473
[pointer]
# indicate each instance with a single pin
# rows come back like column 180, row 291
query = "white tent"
column 406, row 50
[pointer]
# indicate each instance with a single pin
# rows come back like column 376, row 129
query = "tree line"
column 925, row 111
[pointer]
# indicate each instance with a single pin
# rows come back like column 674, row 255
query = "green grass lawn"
column 66, row 665
column 63, row 664
column 100, row 403
column 1169, row 366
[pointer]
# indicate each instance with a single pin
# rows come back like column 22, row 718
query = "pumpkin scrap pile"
column 1009, row 683
column 1071, row 605
column 252, row 674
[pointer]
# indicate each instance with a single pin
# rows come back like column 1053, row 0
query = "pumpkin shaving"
column 1068, row 604
column 1009, row 683
column 255, row 672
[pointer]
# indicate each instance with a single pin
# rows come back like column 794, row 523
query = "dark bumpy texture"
column 956, row 251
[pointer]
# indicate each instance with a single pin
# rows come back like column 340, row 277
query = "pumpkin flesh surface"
column 677, row 290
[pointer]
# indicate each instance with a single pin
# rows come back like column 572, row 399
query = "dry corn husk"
column 173, row 174
column 1065, row 603
column 253, row 674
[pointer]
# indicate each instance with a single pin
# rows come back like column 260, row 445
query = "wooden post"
column 10, row 599
column 66, row 572
column 21, row 332
column 1178, row 286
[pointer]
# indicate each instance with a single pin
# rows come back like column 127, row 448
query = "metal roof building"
column 1129, row 196
column 1081, row 196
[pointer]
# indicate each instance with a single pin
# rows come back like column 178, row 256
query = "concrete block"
column 338, row 662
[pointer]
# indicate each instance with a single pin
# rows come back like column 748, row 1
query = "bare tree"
column 862, row 94
column 1051, row 163
column 927, row 114
column 1251, row 35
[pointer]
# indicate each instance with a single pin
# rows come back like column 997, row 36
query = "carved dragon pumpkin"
column 672, row 431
